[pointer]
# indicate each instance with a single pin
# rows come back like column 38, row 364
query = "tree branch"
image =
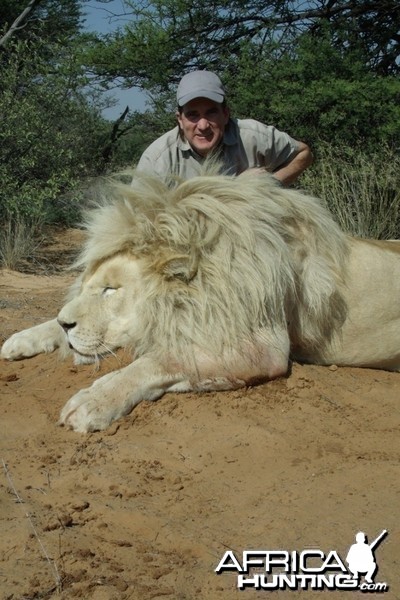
column 18, row 22
column 116, row 133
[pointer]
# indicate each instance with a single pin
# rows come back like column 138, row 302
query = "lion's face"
column 102, row 317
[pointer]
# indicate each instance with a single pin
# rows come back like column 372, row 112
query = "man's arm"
column 291, row 171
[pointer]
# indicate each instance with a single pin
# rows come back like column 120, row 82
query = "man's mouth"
column 205, row 132
column 207, row 138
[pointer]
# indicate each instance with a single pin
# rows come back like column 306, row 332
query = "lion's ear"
column 180, row 267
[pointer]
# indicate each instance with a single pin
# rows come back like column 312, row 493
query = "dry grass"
column 363, row 192
column 18, row 241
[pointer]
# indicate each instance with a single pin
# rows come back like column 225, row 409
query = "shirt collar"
column 183, row 144
column 231, row 133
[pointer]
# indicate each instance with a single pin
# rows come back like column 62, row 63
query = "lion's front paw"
column 83, row 413
column 24, row 345
column 42, row 338
column 94, row 408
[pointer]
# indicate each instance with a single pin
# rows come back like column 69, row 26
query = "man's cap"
column 200, row 84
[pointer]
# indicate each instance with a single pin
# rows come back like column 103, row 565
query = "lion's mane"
column 224, row 257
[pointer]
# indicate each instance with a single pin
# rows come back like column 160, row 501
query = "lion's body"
column 212, row 284
column 370, row 335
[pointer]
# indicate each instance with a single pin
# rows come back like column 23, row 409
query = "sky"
column 99, row 18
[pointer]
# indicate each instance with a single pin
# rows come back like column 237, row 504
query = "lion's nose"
column 66, row 326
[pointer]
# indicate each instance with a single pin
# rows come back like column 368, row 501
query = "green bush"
column 50, row 138
column 317, row 92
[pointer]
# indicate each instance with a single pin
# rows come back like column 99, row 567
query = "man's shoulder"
column 165, row 155
column 254, row 132
column 164, row 143
column 244, row 130
column 253, row 126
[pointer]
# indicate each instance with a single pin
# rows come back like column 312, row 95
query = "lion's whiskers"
column 110, row 351
column 96, row 363
column 99, row 356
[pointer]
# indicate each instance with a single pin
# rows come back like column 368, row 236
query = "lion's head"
column 101, row 317
column 205, row 264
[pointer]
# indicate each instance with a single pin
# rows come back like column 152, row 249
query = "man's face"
column 203, row 122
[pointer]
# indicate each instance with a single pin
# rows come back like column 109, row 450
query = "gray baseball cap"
column 200, row 84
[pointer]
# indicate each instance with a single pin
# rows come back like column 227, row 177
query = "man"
column 206, row 129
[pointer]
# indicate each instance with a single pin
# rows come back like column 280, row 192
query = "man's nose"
column 203, row 123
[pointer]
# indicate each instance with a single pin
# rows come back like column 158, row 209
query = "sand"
column 147, row 509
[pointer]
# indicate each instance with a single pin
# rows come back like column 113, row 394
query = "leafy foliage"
column 319, row 94
column 49, row 134
column 52, row 132
column 168, row 37
column 52, row 20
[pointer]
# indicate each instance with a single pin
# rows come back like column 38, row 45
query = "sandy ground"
column 147, row 509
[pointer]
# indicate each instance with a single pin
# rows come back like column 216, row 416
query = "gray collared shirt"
column 246, row 144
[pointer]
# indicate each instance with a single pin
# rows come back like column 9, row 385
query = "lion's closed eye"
column 108, row 291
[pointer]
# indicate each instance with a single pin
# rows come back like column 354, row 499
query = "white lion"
column 213, row 283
